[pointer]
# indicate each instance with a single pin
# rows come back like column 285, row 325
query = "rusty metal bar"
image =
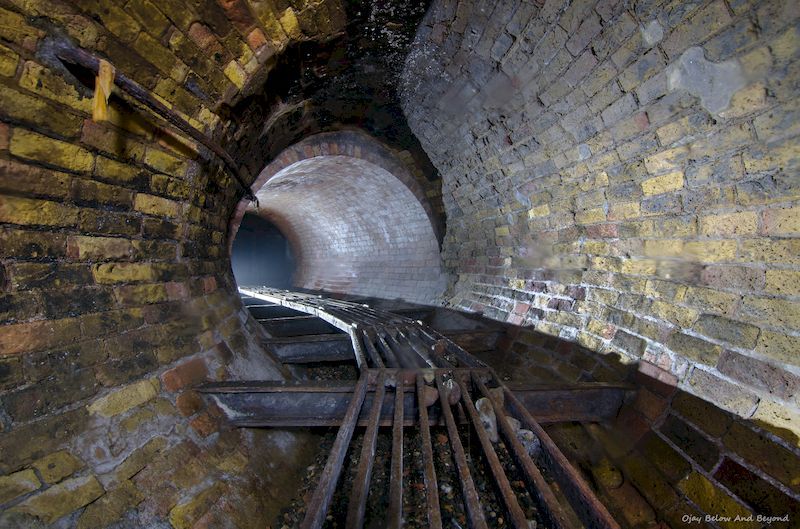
column 593, row 513
column 388, row 354
column 371, row 352
column 541, row 489
column 471, row 500
column 431, row 485
column 358, row 499
column 395, row 515
column 65, row 51
column 323, row 494
column 509, row 498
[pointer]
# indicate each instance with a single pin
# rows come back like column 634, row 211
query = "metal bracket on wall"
column 64, row 51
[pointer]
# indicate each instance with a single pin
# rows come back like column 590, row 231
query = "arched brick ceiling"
column 354, row 227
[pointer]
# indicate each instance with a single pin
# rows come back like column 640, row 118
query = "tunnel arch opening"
column 355, row 218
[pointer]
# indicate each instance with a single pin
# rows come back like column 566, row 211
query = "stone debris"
column 488, row 418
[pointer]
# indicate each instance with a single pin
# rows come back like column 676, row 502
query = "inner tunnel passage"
column 353, row 227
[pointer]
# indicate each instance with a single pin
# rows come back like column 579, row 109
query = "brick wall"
column 358, row 220
column 625, row 177
column 668, row 457
column 115, row 287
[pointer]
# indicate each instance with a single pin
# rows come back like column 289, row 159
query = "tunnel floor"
column 412, row 434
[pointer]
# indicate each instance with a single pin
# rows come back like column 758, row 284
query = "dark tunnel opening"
column 261, row 254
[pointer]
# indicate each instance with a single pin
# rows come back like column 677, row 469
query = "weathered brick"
column 186, row 374
column 779, row 419
column 725, row 394
column 663, row 184
column 99, row 248
column 777, row 312
column 40, row 148
column 737, row 333
column 110, row 507
column 62, row 499
column 38, row 335
column 671, row 463
column 763, row 453
column 691, row 442
column 123, row 399
column 764, row 498
column 57, row 466
column 712, row 499
column 760, row 374
column 153, row 205
column 744, row 223
column 15, row 485
column 30, row 212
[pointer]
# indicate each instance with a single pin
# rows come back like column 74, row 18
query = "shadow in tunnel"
column 261, row 254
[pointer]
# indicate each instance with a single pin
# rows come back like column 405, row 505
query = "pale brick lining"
column 355, row 228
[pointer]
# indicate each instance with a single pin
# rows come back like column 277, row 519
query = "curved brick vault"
column 356, row 218
column 593, row 189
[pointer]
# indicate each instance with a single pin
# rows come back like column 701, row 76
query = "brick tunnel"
column 586, row 196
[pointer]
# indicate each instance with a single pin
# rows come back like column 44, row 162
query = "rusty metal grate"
column 411, row 376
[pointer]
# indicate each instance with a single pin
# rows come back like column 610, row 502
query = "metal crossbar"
column 412, row 376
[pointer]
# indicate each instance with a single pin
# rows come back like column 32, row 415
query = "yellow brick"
column 15, row 485
column 165, row 162
column 25, row 211
column 590, row 216
column 783, row 156
column 663, row 184
column 185, row 515
column 125, row 398
column 783, row 282
column 682, row 316
column 778, row 419
column 638, row 266
column 518, row 284
column 153, row 205
column 743, row 223
column 668, row 160
column 33, row 146
column 786, row 46
column 774, row 312
column 290, row 24
column 746, row 101
column 711, row 251
column 116, row 171
column 56, row 466
column 784, row 221
column 44, row 82
column 62, row 499
column 711, row 300
column 8, row 62
column 713, row 499
column 624, row 210
column 770, row 251
column 780, row 347
column 539, row 211
column 663, row 248
column 596, row 248
column 236, row 74
column 99, row 248
column 123, row 273
column 502, row 231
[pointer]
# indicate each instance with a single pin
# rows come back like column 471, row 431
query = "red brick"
column 656, row 379
column 204, row 424
column 187, row 374
column 256, row 39
column 209, row 284
column 189, row 403
column 3, row 137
